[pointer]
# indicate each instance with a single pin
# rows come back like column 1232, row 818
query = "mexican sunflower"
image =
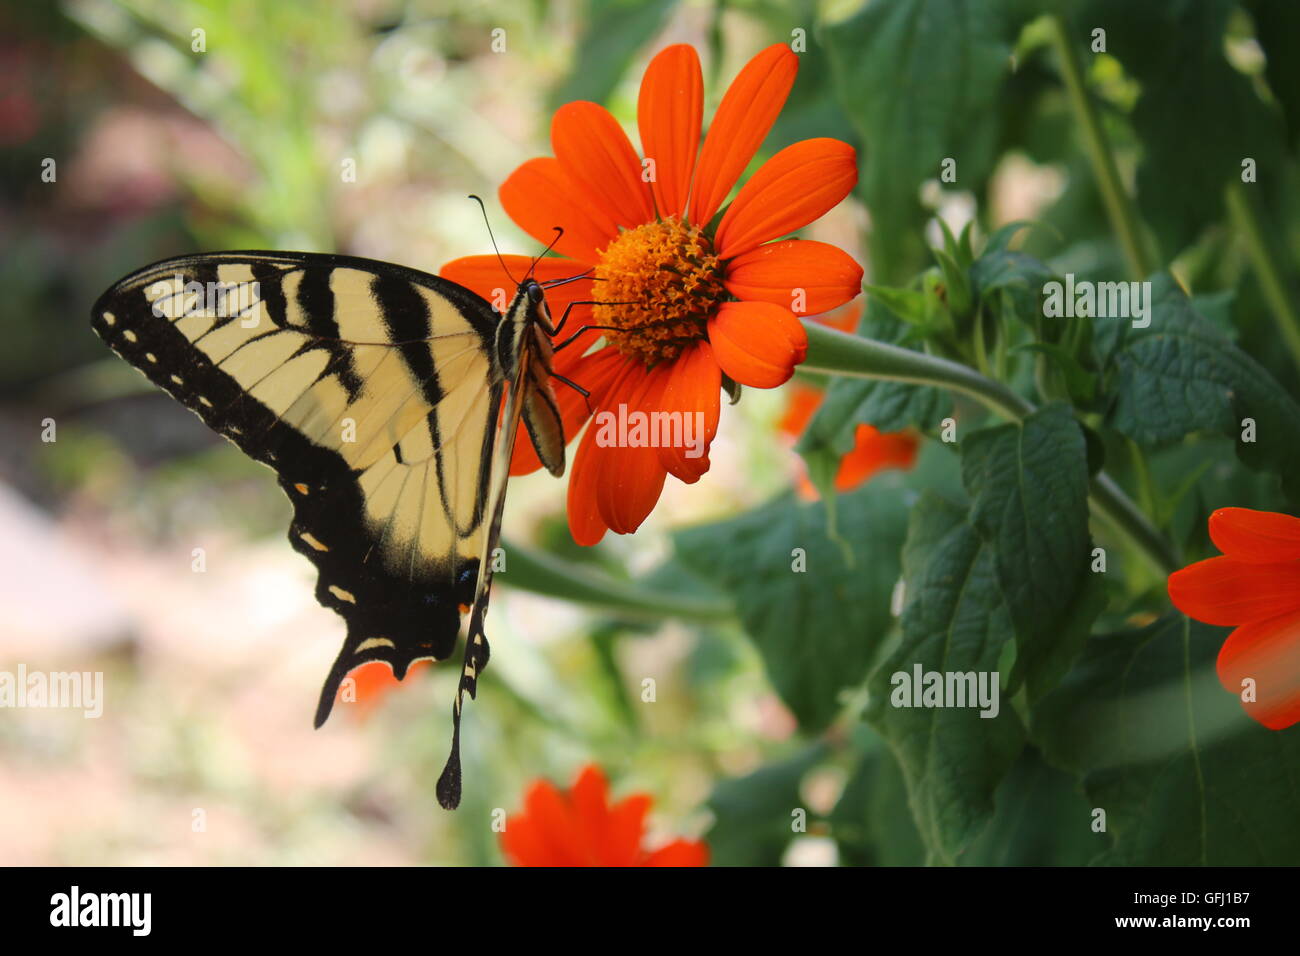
column 873, row 450
column 690, row 291
column 372, row 682
column 580, row 828
column 1253, row 586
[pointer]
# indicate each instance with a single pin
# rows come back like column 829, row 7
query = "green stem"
column 1246, row 221
column 836, row 353
column 1119, row 208
column 545, row 574
column 832, row 352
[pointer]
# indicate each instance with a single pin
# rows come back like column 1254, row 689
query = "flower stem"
column 1246, row 221
column 832, row 352
column 1119, row 208
column 545, row 574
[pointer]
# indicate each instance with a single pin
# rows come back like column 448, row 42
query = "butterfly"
column 387, row 400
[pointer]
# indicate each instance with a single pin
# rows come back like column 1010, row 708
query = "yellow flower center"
column 662, row 281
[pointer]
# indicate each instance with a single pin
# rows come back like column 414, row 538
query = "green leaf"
column 1028, row 483
column 753, row 815
column 816, row 629
column 1183, row 775
column 871, row 822
column 615, row 32
column 1042, row 819
column 920, row 79
column 1081, row 383
column 1003, row 273
column 955, row 621
column 1182, row 375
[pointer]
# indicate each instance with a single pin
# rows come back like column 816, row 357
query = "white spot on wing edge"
column 312, row 541
column 342, row 595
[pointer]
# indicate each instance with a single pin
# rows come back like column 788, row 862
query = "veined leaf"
column 1182, row 375
column 816, row 614
column 1028, row 483
column 955, row 622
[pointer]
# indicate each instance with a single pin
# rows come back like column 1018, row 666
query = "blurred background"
column 159, row 149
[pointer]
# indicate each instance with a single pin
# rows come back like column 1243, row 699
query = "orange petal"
column 583, row 370
column 539, row 196
column 680, row 853
column 588, row 800
column 757, row 343
column 631, row 476
column 1256, row 536
column 874, row 451
column 746, row 113
column 586, row 523
column 806, row 277
column 668, row 113
column 486, row 276
column 596, row 153
column 372, row 682
column 693, row 391
column 845, row 319
column 554, row 835
column 1267, row 652
column 524, row 844
column 796, row 186
column 1226, row 591
column 804, row 400
column 627, row 826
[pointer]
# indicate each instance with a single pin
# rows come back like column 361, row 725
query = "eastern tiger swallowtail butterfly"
column 376, row 393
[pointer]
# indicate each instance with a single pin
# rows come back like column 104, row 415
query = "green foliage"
column 754, row 815
column 954, row 622
column 1183, row 375
column 613, row 35
column 919, row 79
column 1183, row 776
column 1028, row 483
column 816, row 612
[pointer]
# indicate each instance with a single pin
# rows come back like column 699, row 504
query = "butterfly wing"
column 371, row 390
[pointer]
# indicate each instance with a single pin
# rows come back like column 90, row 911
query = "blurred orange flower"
column 580, row 828
column 372, row 682
column 873, row 450
column 684, row 301
column 1255, row 587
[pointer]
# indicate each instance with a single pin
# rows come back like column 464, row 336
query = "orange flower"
column 684, row 300
column 373, row 681
column 580, row 828
column 1254, row 586
column 873, row 450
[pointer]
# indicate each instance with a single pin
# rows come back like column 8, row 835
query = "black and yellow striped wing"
column 373, row 391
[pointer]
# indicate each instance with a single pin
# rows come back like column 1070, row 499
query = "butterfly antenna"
column 483, row 209
column 559, row 234
column 555, row 283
